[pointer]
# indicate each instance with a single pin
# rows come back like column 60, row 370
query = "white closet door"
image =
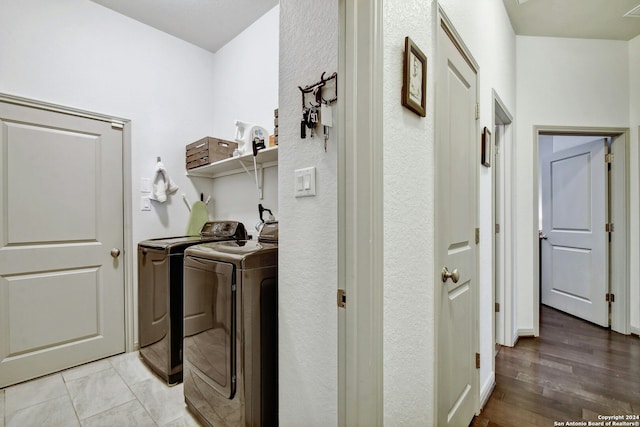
column 61, row 241
column 456, row 219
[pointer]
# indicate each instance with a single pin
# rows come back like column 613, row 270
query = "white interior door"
column 61, row 288
column 456, row 250
column 574, row 251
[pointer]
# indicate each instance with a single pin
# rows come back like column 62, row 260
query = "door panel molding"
column 47, row 106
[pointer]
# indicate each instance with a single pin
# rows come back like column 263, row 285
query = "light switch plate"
column 145, row 185
column 145, row 204
column 305, row 182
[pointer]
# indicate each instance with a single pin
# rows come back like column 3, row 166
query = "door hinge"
column 117, row 125
column 477, row 110
column 497, row 307
column 608, row 228
column 477, row 236
column 608, row 158
column 477, row 360
column 610, row 298
column 497, row 228
column 342, row 298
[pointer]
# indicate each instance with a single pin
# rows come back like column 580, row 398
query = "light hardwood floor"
column 575, row 371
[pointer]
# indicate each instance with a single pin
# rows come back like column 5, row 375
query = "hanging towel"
column 199, row 216
column 162, row 184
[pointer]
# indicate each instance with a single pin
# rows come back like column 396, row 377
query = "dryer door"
column 153, row 295
column 209, row 322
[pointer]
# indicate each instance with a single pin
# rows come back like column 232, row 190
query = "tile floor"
column 119, row 391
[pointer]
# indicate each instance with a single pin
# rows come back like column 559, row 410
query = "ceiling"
column 209, row 24
column 590, row 19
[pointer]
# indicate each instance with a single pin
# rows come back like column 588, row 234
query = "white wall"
column 634, row 122
column 245, row 87
column 246, row 77
column 564, row 142
column 408, row 316
column 564, row 82
column 308, row 266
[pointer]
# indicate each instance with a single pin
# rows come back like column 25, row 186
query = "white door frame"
column 619, row 250
column 504, row 257
column 129, row 308
column 360, row 222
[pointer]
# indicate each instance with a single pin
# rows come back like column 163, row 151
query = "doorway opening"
column 503, row 294
column 583, row 215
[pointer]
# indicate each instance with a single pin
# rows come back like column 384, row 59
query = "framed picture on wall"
column 486, row 147
column 414, row 80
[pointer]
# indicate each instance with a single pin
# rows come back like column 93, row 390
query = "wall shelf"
column 234, row 165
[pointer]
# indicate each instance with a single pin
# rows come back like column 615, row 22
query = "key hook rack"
column 316, row 90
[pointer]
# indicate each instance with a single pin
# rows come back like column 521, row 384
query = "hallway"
column 574, row 371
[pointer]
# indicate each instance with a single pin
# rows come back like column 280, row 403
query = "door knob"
column 115, row 252
column 454, row 275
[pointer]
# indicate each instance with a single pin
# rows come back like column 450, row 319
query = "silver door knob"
column 454, row 275
column 115, row 252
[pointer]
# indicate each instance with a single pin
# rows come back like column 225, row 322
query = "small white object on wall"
column 163, row 185
column 145, row 185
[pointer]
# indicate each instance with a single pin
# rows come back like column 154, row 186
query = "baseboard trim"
column 526, row 333
column 486, row 390
column 514, row 339
column 634, row 330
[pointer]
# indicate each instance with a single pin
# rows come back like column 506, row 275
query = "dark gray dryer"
column 231, row 331
column 160, row 284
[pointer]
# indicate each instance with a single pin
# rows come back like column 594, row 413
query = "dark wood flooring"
column 574, row 371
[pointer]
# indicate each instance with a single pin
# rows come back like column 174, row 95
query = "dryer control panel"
column 227, row 229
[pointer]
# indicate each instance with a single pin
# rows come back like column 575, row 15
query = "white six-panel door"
column 61, row 234
column 574, row 250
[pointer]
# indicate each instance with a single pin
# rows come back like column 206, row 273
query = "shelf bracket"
column 259, row 174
